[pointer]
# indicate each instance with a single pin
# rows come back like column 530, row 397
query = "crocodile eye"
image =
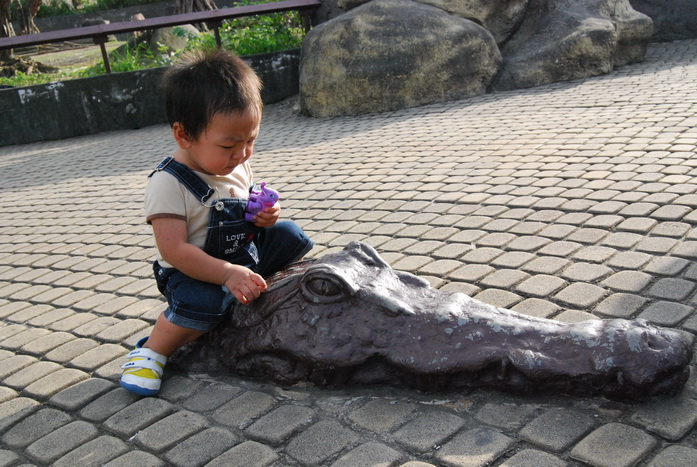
column 323, row 287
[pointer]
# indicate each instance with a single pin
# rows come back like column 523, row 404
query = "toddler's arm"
column 171, row 239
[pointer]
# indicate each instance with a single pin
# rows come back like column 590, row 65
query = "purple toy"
column 258, row 200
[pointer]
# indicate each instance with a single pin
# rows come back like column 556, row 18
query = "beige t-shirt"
column 166, row 197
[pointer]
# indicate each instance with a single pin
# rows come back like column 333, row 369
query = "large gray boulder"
column 499, row 17
column 561, row 40
column 393, row 54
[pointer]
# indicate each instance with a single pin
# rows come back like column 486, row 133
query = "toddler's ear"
column 181, row 136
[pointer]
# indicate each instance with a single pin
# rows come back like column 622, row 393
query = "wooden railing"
column 100, row 33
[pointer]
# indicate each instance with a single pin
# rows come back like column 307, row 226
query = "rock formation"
column 390, row 54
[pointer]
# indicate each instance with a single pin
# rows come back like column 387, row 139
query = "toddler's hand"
column 268, row 216
column 244, row 284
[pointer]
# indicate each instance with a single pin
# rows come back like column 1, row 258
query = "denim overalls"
column 202, row 305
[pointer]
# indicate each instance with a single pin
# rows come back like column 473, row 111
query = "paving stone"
column 29, row 313
column 674, row 455
column 440, row 267
column 640, row 225
column 546, row 265
column 475, row 447
column 428, row 430
column 580, row 295
column 504, row 278
column 14, row 410
column 62, row 441
column 95, row 326
column 34, row 372
column 79, row 395
column 8, row 458
column 533, row 458
column 174, row 388
column 249, row 453
column 505, row 415
column 134, row 458
column 670, row 418
column 382, row 415
column 686, row 249
column 627, row 281
column 55, row 382
column 172, row 429
column 140, row 308
column 211, row 397
column 629, row 260
column 558, row 429
column 279, row 424
column 666, row 313
column 6, row 394
column 558, row 231
column 10, row 308
column 536, row 307
column 498, row 297
column 14, row 364
column 594, row 254
column 541, row 285
column 666, row 266
column 20, row 339
column 674, row 212
column 374, row 454
column 671, row 229
column 481, row 255
column 319, row 442
column 242, row 410
column 50, row 317
column 122, row 330
column 34, row 427
column 621, row 305
column 614, row 445
column 47, row 343
column 411, row 263
column 471, row 272
column 201, row 448
column 100, row 451
column 574, row 316
column 586, row 272
column 98, row 356
column 137, row 416
column 672, row 289
column 72, row 321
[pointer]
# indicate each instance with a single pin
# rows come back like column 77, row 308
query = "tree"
column 28, row 11
column 6, row 29
column 190, row 6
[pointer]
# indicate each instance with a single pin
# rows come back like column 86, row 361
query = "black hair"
column 208, row 83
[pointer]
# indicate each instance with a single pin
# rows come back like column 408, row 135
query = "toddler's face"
column 227, row 141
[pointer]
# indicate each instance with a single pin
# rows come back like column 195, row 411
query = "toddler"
column 208, row 256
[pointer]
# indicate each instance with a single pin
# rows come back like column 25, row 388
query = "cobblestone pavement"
column 570, row 201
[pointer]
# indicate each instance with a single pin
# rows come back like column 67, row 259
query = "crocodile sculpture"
column 349, row 318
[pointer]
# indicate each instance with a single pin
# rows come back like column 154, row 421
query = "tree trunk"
column 190, row 6
column 6, row 29
column 29, row 10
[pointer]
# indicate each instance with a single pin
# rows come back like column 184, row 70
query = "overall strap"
column 187, row 177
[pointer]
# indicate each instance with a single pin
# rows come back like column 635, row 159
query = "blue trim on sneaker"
column 139, row 390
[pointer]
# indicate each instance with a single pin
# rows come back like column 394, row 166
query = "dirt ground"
column 75, row 56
